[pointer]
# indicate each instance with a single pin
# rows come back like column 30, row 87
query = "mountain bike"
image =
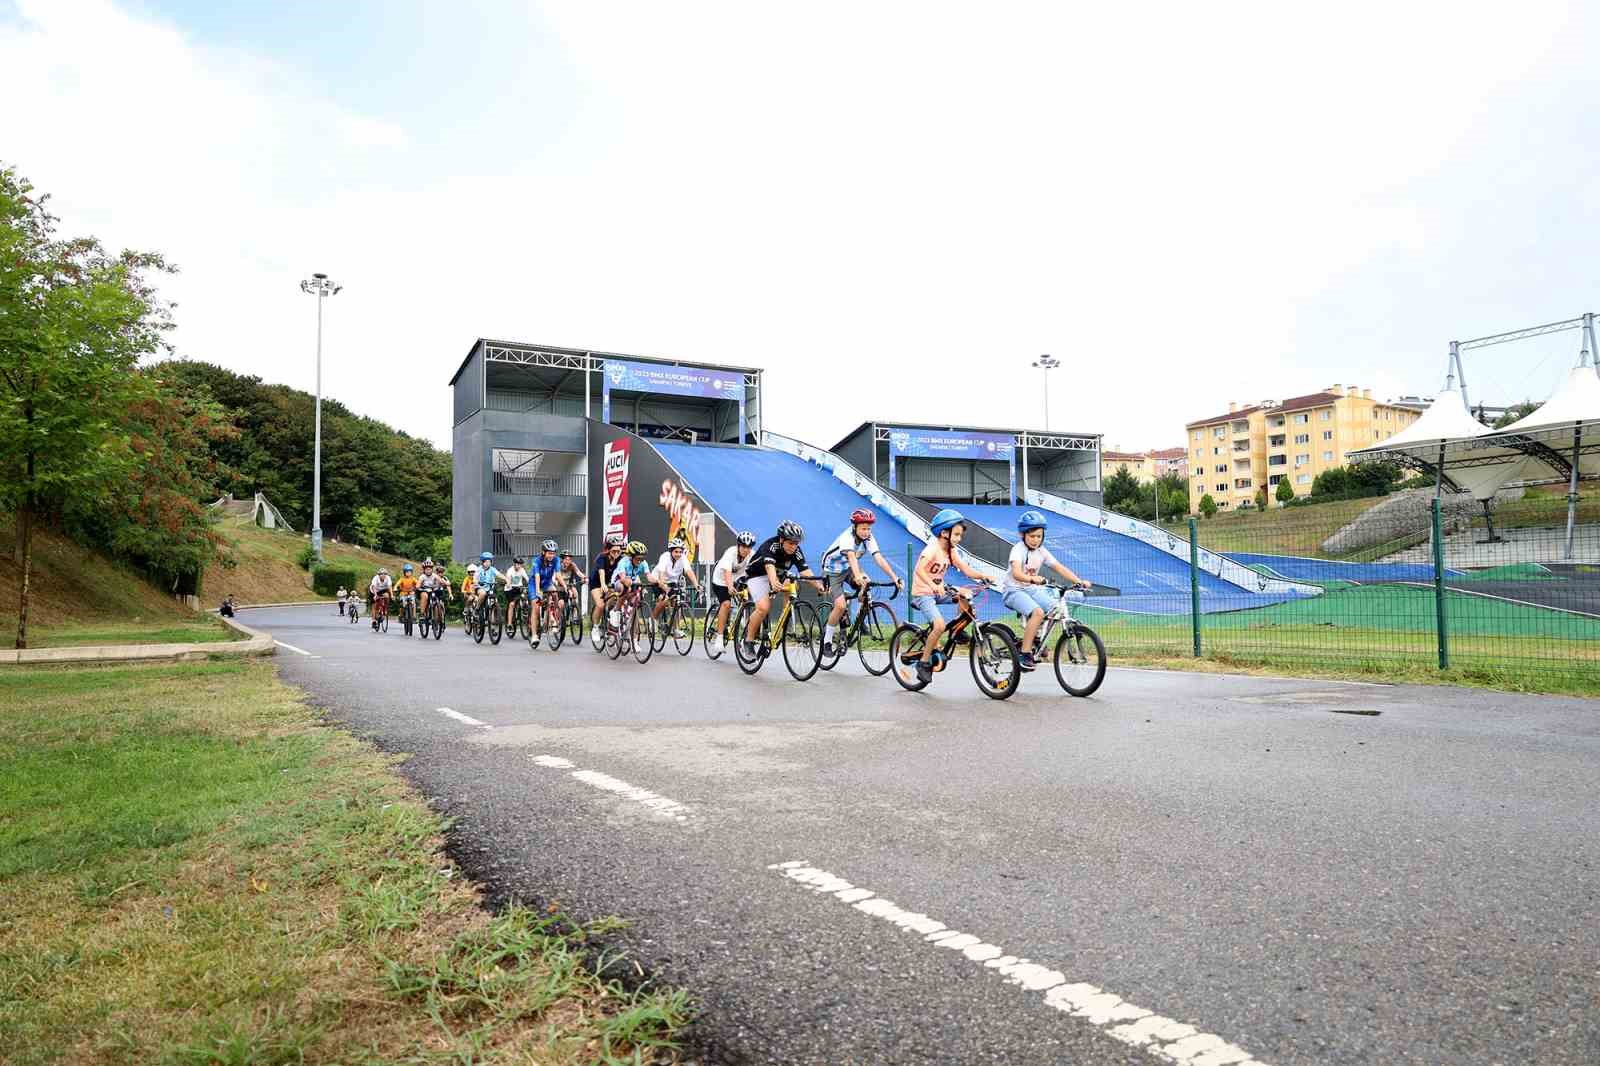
column 708, row 622
column 994, row 656
column 521, row 620
column 380, row 612
column 425, row 614
column 674, row 621
column 485, row 619
column 354, row 610
column 1080, row 654
column 436, row 613
column 573, row 612
column 408, row 611
column 870, row 631
column 797, row 631
column 552, row 628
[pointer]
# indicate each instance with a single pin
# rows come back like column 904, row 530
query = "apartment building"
column 1258, row 445
column 1145, row 466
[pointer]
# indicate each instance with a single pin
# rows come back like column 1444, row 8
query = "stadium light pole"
column 1046, row 363
column 321, row 286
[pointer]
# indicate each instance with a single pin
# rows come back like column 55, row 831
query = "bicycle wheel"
column 708, row 628
column 477, row 627
column 682, row 629
column 405, row 619
column 841, row 642
column 802, row 641
column 616, row 640
column 1080, row 660
column 574, row 623
column 641, row 635
column 600, row 632
column 994, row 659
column 437, row 610
column 496, row 625
column 872, row 638
column 658, row 628
column 555, row 629
column 748, row 663
column 905, row 650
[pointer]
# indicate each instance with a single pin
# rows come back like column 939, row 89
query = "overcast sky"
column 893, row 208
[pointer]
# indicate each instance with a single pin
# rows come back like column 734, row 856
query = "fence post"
column 1438, row 586
column 1194, row 582
column 910, row 564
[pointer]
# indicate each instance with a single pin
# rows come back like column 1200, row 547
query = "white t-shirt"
column 833, row 559
column 1033, row 563
column 729, row 569
column 516, row 577
column 669, row 570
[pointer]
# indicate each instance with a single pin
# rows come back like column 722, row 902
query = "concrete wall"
column 473, row 500
column 857, row 450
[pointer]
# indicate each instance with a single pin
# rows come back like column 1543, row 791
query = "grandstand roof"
column 595, row 353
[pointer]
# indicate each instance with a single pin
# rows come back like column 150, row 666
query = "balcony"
column 1278, row 440
column 538, row 481
column 1241, row 445
column 561, row 485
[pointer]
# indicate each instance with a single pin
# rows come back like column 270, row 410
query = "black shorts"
column 721, row 593
column 513, row 593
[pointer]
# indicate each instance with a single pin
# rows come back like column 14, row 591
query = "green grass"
column 194, row 870
column 83, row 634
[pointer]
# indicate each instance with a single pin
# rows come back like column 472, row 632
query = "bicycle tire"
column 905, row 648
column 995, row 661
column 599, row 632
column 872, row 638
column 574, row 623
column 658, row 631
column 437, row 610
column 641, row 636
column 405, row 619
column 841, row 642
column 478, row 626
column 678, row 622
column 1078, row 664
column 384, row 625
column 802, row 641
column 617, row 635
column 708, row 624
column 496, row 627
column 555, row 628
column 750, row 665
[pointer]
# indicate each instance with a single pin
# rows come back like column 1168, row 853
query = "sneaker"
column 534, row 643
column 827, row 649
column 1025, row 661
column 715, row 644
column 749, row 649
column 924, row 672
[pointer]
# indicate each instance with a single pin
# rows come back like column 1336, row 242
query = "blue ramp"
column 1150, row 580
column 1303, row 568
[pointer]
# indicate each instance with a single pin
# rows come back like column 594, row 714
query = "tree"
column 1284, row 491
column 74, row 321
column 369, row 524
column 1121, row 492
column 1514, row 412
column 1208, row 506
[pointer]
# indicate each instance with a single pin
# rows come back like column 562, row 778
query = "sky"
column 892, row 208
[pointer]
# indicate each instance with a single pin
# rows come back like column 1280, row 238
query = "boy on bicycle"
column 545, row 573
column 927, row 583
column 516, row 577
column 483, row 582
column 842, row 563
column 570, row 577
column 378, row 593
column 1028, row 558
column 406, row 587
column 670, row 569
column 768, row 567
column 432, row 582
column 605, row 566
column 729, row 570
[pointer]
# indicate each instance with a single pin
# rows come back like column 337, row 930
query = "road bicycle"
column 354, row 610
column 408, row 612
column 996, row 662
column 1080, row 654
column 433, row 616
column 870, row 631
column 552, row 628
column 573, row 612
column 739, row 596
column 521, row 619
column 380, row 612
column 632, row 629
column 485, row 620
column 797, row 632
column 674, row 622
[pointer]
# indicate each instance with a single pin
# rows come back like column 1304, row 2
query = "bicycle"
column 408, row 612
column 798, row 632
column 994, row 657
column 521, row 620
column 708, row 621
column 354, row 610
column 1079, row 653
column 674, row 621
column 486, row 620
column 435, row 614
column 380, row 612
column 552, row 627
column 574, row 612
column 870, row 632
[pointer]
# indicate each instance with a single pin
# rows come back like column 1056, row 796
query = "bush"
column 1285, row 491
column 307, row 558
column 1208, row 506
column 326, row 580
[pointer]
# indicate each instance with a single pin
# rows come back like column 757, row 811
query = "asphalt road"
column 1195, row 868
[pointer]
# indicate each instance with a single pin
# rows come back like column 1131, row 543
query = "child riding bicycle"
column 729, row 570
column 768, row 567
column 928, row 589
column 842, row 563
column 1023, row 578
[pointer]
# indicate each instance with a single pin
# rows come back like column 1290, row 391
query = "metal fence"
column 1403, row 586
column 559, row 485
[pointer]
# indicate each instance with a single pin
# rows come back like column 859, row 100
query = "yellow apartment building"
column 1252, row 446
column 1145, row 466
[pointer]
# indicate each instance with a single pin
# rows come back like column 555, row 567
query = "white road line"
column 606, row 783
column 291, row 647
column 458, row 716
column 1253, row 677
column 1166, row 1039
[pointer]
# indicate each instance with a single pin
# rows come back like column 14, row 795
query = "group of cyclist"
column 760, row 572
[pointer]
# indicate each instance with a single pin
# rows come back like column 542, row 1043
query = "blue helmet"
column 1031, row 520
column 945, row 519
column 485, row 557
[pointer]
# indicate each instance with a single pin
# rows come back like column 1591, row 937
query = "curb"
column 256, row 643
column 298, row 603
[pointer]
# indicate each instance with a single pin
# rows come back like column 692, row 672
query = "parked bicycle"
column 869, row 632
column 995, row 660
column 797, row 631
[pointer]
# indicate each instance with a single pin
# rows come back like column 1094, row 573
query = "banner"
column 952, row 444
column 683, row 516
column 667, row 380
column 615, row 465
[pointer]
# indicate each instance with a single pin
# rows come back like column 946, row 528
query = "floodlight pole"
column 1046, row 363
column 321, row 286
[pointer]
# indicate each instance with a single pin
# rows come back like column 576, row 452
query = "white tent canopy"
column 1561, row 423
column 1447, row 437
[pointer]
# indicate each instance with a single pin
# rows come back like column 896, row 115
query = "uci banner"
column 671, row 381
column 953, row 444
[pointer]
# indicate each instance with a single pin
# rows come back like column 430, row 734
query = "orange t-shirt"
column 405, row 586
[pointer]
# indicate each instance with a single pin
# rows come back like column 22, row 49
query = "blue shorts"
column 1026, row 601
column 929, row 605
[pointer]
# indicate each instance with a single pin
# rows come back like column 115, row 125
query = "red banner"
column 616, row 475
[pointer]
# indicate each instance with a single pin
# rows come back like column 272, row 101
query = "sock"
column 827, row 634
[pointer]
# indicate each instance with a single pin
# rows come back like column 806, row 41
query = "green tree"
column 1208, row 506
column 74, row 321
column 1122, row 493
column 369, row 523
column 1261, row 498
column 1514, row 412
column 1284, row 491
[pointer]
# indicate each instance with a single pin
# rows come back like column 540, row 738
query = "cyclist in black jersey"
column 600, row 574
column 769, row 565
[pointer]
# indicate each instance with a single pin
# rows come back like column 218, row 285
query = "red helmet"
column 861, row 514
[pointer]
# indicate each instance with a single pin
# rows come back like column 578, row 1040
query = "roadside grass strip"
column 1166, row 1039
column 195, row 869
column 606, row 783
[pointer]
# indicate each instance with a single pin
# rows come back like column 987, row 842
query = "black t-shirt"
column 603, row 568
column 771, row 551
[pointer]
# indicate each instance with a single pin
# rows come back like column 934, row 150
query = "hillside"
column 265, row 567
column 1277, row 530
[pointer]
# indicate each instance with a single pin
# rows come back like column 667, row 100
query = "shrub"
column 1285, row 491
column 1208, row 506
column 326, row 580
column 307, row 558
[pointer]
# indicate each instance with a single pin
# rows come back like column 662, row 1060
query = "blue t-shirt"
column 485, row 578
column 544, row 573
column 633, row 571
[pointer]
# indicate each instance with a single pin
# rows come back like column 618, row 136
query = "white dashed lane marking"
column 462, row 718
column 606, row 783
column 1166, row 1039
column 291, row 647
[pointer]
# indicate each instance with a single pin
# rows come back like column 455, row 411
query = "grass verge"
column 83, row 634
column 193, row 870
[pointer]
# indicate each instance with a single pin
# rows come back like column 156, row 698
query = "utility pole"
column 321, row 286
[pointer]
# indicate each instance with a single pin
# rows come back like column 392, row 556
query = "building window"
column 1222, row 468
column 1241, row 427
column 1197, row 434
column 1276, row 440
column 1327, row 415
column 1300, row 419
column 1241, row 483
column 1327, row 434
column 1302, row 438
column 1220, row 432
column 1327, row 457
column 1216, row 451
column 1277, row 460
column 1222, row 486
column 1302, row 459
column 1274, row 479
column 1302, row 479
